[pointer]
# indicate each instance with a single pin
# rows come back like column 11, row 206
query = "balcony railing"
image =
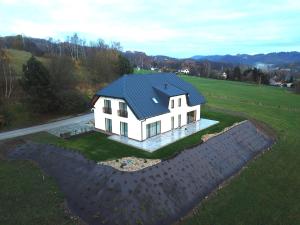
column 107, row 110
column 123, row 113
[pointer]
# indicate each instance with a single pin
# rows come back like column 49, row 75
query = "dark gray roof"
column 139, row 90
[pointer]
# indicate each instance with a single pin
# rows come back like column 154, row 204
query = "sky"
column 161, row 27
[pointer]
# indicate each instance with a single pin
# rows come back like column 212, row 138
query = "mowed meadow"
column 268, row 189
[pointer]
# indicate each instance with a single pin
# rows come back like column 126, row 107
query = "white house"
column 142, row 106
column 185, row 71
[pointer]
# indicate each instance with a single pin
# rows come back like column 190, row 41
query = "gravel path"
column 45, row 127
column 160, row 194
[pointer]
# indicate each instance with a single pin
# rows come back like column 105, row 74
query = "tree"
column 237, row 73
column 37, row 84
column 62, row 73
column 297, row 87
column 124, row 65
column 7, row 75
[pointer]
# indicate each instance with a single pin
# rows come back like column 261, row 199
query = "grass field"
column 97, row 147
column 19, row 58
column 268, row 191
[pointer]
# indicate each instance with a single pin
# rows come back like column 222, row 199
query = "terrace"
column 154, row 143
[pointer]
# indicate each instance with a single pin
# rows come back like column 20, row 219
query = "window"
column 179, row 102
column 108, row 125
column 172, row 103
column 153, row 129
column 179, row 120
column 107, row 106
column 172, row 122
column 122, row 109
column 124, row 129
column 154, row 100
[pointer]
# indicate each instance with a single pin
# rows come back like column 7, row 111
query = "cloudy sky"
column 180, row 28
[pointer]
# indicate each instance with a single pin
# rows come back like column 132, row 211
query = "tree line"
column 55, row 85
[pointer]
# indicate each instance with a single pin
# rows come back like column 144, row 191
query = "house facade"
column 142, row 106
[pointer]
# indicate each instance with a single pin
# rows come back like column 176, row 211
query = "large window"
column 107, row 106
column 191, row 116
column 124, row 129
column 172, row 103
column 179, row 102
column 153, row 129
column 122, row 109
column 172, row 122
column 179, row 120
column 108, row 125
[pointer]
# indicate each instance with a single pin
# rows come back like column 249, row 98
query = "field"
column 266, row 192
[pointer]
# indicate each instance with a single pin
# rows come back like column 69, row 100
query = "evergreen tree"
column 237, row 73
column 37, row 84
column 124, row 65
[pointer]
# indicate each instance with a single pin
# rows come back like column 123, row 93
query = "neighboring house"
column 142, row 106
column 185, row 71
column 224, row 75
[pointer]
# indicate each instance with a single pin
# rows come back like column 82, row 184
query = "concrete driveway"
column 45, row 127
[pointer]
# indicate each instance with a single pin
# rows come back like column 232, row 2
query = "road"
column 45, row 127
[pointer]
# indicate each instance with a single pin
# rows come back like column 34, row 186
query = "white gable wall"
column 134, row 125
column 166, row 118
column 137, row 128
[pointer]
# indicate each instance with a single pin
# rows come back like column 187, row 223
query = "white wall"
column 134, row 125
column 166, row 118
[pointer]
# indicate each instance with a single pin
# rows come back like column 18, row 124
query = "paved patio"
column 154, row 143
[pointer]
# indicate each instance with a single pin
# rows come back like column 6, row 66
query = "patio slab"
column 154, row 143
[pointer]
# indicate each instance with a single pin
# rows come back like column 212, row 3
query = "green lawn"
column 27, row 196
column 268, row 191
column 97, row 147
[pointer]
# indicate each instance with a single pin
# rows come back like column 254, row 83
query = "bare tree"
column 7, row 75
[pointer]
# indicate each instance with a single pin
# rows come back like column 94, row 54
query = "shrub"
column 71, row 101
column 5, row 116
column 297, row 87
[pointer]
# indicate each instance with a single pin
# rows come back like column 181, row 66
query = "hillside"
column 265, row 192
column 19, row 58
column 270, row 58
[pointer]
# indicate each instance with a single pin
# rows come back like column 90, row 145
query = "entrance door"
column 172, row 123
column 124, row 129
column 191, row 117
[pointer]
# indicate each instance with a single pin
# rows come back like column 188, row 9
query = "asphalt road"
column 45, row 127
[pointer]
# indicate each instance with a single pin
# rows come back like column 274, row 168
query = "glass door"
column 124, row 129
column 108, row 125
column 191, row 117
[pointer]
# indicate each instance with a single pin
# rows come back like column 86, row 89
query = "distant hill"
column 270, row 58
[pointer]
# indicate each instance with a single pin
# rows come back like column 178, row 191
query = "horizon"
column 186, row 29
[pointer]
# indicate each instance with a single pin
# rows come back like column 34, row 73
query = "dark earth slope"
column 160, row 194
